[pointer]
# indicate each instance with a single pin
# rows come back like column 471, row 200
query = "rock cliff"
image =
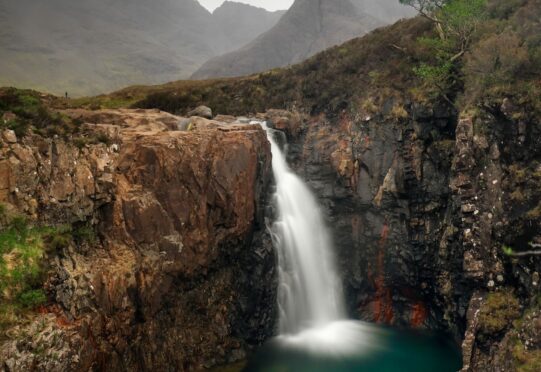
column 424, row 209
column 172, row 281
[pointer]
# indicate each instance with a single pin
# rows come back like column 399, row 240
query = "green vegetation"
column 456, row 22
column 497, row 313
column 482, row 49
column 27, row 109
column 23, row 268
column 526, row 360
column 92, row 139
column 506, row 58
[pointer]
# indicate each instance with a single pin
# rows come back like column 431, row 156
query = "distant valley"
column 86, row 47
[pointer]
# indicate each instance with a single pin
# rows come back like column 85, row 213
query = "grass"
column 23, row 263
column 30, row 110
column 22, row 270
column 21, row 260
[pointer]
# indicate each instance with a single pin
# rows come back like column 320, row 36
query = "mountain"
column 242, row 22
column 88, row 47
column 308, row 27
column 388, row 11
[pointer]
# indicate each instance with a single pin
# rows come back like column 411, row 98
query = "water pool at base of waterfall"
column 350, row 346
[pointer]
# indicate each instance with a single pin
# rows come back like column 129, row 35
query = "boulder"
column 201, row 111
column 9, row 136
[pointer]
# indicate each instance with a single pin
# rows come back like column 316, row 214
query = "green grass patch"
column 23, row 265
column 28, row 109
column 22, row 250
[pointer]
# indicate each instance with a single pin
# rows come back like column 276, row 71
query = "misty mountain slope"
column 254, row 21
column 389, row 11
column 88, row 47
column 308, row 27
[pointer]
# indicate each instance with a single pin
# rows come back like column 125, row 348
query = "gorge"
column 141, row 231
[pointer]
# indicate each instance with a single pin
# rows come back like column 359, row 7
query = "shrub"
column 103, row 138
column 496, row 60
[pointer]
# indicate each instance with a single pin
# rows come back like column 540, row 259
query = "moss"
column 32, row 298
column 518, row 196
column 534, row 213
column 84, row 234
column 497, row 313
column 526, row 360
column 518, row 174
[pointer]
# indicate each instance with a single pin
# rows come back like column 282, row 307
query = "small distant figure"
column 66, row 95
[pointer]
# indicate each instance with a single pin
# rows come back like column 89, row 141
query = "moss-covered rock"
column 498, row 312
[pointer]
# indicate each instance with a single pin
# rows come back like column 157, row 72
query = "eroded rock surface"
column 174, row 282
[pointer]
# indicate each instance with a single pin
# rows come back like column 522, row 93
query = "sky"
column 267, row 4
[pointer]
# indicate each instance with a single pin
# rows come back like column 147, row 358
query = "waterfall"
column 309, row 292
column 314, row 333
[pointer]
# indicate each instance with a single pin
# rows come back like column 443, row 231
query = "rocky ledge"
column 171, row 281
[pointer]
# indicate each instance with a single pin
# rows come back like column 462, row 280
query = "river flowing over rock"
column 173, row 282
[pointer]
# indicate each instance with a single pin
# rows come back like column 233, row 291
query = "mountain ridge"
column 88, row 48
column 295, row 39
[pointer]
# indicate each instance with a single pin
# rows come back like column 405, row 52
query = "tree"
column 456, row 22
column 428, row 9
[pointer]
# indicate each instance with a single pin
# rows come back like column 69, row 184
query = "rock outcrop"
column 173, row 281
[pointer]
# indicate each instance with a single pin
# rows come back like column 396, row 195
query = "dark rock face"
column 421, row 206
column 175, row 283
column 386, row 199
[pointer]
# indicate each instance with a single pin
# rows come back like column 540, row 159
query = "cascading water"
column 309, row 292
column 314, row 332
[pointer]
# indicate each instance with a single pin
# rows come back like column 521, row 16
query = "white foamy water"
column 309, row 292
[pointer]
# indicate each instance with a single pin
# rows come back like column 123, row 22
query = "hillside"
column 308, row 27
column 87, row 47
